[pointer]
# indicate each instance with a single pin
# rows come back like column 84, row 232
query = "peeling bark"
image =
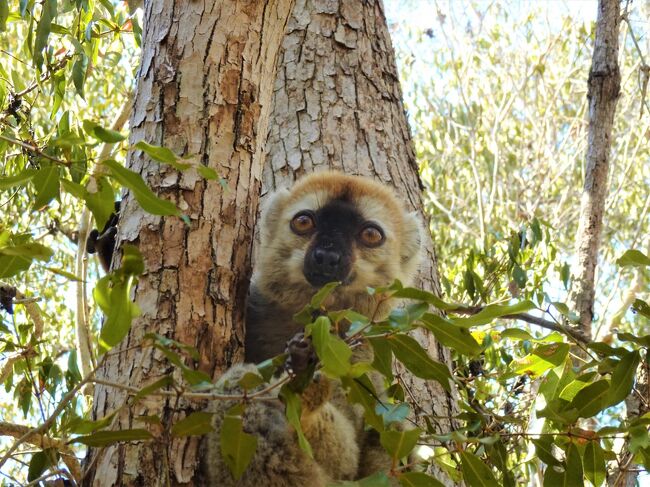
column 338, row 105
column 604, row 88
column 204, row 89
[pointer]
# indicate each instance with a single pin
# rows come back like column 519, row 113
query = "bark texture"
column 604, row 88
column 338, row 105
column 204, row 88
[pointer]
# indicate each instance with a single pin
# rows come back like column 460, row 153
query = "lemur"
column 328, row 227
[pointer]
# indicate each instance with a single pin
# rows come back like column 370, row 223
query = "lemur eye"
column 371, row 236
column 303, row 223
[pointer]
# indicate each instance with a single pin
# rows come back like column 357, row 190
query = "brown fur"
column 335, row 429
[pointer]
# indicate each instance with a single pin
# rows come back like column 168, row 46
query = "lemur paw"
column 301, row 354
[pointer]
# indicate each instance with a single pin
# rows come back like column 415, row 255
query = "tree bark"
column 338, row 105
column 604, row 88
column 204, row 88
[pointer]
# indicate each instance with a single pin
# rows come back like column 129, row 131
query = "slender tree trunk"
column 338, row 105
column 604, row 88
column 204, row 88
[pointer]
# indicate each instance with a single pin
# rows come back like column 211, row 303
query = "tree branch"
column 604, row 88
column 43, row 441
column 573, row 333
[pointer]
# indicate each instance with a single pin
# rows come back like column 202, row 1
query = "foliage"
column 501, row 140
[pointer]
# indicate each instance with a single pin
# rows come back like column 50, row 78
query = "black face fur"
column 335, row 229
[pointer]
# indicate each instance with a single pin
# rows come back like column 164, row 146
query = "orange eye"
column 303, row 223
column 371, row 236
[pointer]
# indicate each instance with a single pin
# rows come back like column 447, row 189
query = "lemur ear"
column 411, row 251
column 272, row 210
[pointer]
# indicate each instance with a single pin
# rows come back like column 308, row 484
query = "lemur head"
column 335, row 227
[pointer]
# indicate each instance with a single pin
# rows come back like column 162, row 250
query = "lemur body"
column 328, row 227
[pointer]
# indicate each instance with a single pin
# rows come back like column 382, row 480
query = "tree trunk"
column 204, row 88
column 338, row 105
column 604, row 88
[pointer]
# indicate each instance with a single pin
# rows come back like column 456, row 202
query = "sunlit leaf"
column 544, row 357
column 633, row 258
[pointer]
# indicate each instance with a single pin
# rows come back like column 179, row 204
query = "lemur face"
column 334, row 227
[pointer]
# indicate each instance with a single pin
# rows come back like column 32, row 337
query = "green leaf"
column 4, row 14
column 293, row 409
column 333, row 352
column 132, row 261
column 425, row 296
column 493, row 311
column 573, row 387
column 319, row 298
column 361, row 391
column 17, row 180
column 623, row 378
column 553, row 476
column 517, row 334
column 48, row 12
column 544, row 450
column 418, row 479
column 565, row 275
column 633, row 258
column 160, row 154
column 544, row 357
column 105, row 438
column 573, row 476
column 643, row 341
column 79, row 71
column 101, row 204
column 153, row 387
column 641, row 307
column 30, row 250
column 116, row 304
column 475, row 472
column 46, row 184
column 382, row 356
column 408, row 351
column 379, row 479
column 590, row 400
column 197, row 423
column 250, row 381
column 237, row 447
column 107, row 135
column 594, row 463
column 451, row 335
column 519, row 275
column 41, row 461
column 399, row 444
column 147, row 199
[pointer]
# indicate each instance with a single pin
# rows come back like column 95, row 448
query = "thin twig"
column 34, row 149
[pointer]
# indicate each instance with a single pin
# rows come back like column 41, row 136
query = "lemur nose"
column 327, row 258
